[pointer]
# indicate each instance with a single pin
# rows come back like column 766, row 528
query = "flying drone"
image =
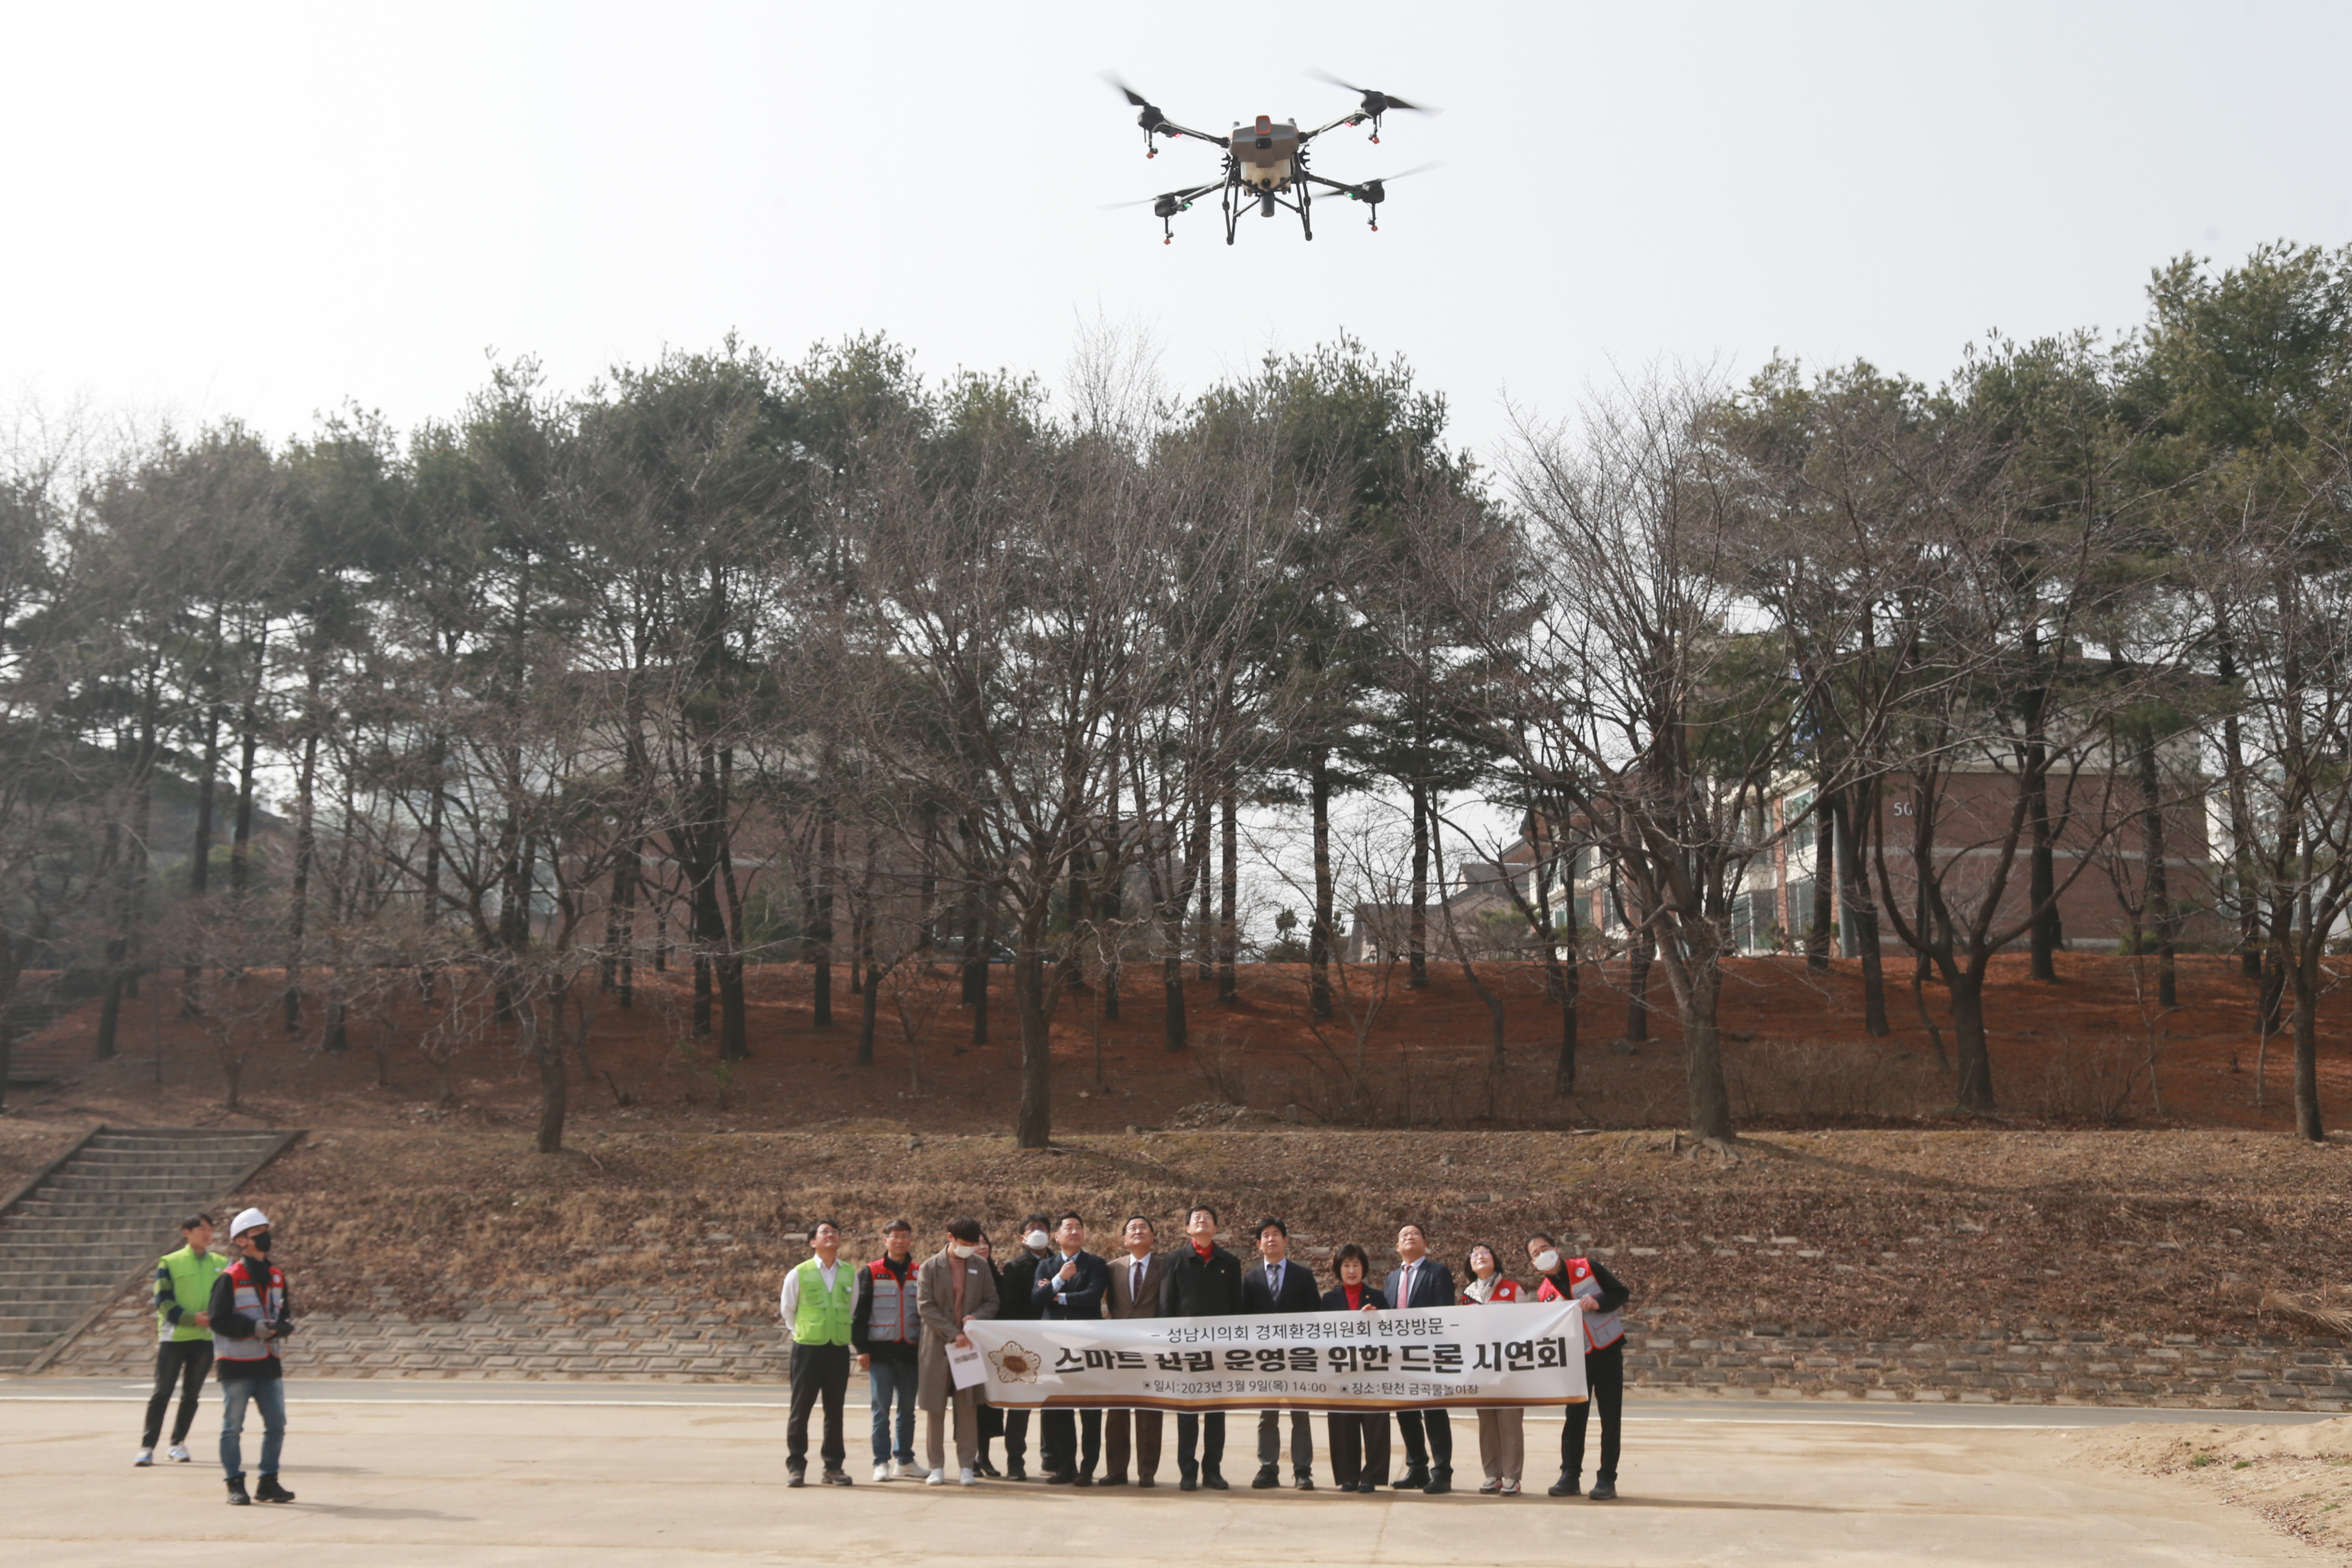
column 1266, row 160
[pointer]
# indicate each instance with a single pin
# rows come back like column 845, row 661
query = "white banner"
column 1529, row 1353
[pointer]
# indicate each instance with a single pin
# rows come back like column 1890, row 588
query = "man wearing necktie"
column 1420, row 1281
column 1135, row 1283
column 1070, row 1285
column 1279, row 1284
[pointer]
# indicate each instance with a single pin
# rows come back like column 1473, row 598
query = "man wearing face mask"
column 250, row 1316
column 954, row 1286
column 1017, row 1279
column 1600, row 1298
column 1203, row 1281
column 1070, row 1284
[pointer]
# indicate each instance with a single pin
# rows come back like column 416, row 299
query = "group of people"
column 896, row 1318
column 226, row 1316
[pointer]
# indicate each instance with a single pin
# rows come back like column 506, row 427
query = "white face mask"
column 1546, row 1261
column 1038, row 1240
column 961, row 1250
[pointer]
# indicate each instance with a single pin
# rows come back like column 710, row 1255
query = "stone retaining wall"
column 666, row 1340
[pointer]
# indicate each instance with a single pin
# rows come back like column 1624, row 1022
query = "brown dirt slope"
column 2074, row 1054
column 1883, row 1233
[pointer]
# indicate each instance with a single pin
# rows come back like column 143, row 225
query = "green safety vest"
column 824, row 1316
column 191, row 1274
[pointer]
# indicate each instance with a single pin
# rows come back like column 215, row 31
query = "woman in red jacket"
column 1502, row 1433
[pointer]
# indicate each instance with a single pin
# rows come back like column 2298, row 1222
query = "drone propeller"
column 1151, row 119
column 1375, row 102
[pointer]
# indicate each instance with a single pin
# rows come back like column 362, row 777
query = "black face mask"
column 259, row 1243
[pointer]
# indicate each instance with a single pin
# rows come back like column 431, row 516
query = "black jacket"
column 1014, row 1282
column 1336, row 1298
column 1432, row 1286
column 1084, row 1292
column 1201, row 1288
column 1298, row 1292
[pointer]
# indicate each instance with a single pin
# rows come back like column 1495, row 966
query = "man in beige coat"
column 954, row 1286
column 1135, row 1281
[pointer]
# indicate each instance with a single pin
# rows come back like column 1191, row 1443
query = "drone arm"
column 1355, row 118
column 1170, row 128
column 1335, row 184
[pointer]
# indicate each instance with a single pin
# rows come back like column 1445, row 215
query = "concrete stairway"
column 103, row 1212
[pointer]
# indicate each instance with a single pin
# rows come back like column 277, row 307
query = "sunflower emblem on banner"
column 1014, row 1362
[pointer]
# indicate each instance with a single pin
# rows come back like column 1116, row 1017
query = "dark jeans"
column 186, row 1363
column 1189, row 1424
column 887, row 1380
column 1604, row 1380
column 267, row 1394
column 1360, row 1446
column 1302, row 1440
column 816, row 1370
column 1438, row 1451
column 1016, row 1442
column 1059, row 1447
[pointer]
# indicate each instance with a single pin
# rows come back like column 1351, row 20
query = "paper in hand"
column 968, row 1368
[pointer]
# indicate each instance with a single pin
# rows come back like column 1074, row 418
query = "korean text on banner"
column 1512, row 1354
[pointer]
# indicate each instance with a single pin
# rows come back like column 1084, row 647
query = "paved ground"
column 468, row 1476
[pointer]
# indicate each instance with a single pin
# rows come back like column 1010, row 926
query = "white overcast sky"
column 263, row 211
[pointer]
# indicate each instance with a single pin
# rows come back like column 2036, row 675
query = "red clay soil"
column 2071, row 1053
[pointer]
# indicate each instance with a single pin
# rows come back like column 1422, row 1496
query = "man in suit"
column 1070, row 1288
column 1277, row 1285
column 1015, row 1279
column 1420, row 1281
column 1135, row 1283
column 954, row 1286
column 1203, row 1281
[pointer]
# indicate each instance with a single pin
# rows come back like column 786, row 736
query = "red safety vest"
column 892, row 1316
column 263, row 1305
column 1601, row 1329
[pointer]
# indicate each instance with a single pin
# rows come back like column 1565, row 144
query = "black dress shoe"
column 1213, row 1482
column 1014, row 1471
column 1603, row 1491
column 1060, row 1477
column 1188, row 1482
column 1268, row 1478
column 1415, row 1478
column 983, row 1468
column 1564, row 1486
column 1367, row 1488
column 1112, row 1481
column 1145, row 1482
column 1083, row 1480
column 1441, row 1481
column 1304, row 1482
column 270, row 1491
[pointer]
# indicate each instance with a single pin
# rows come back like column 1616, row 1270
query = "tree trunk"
column 1204, row 948
column 1416, row 969
column 2307, row 981
column 1710, row 1096
column 1496, row 1048
column 1857, row 823
column 2157, row 886
column 1823, row 920
column 1974, row 1056
column 821, row 933
column 554, row 1086
column 130, row 876
column 305, row 850
column 1229, row 931
column 200, row 854
column 1319, row 938
column 2241, row 829
column 1570, row 982
column 1637, row 983
column 1034, row 1126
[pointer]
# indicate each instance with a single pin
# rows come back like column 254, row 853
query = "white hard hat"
column 251, row 1219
